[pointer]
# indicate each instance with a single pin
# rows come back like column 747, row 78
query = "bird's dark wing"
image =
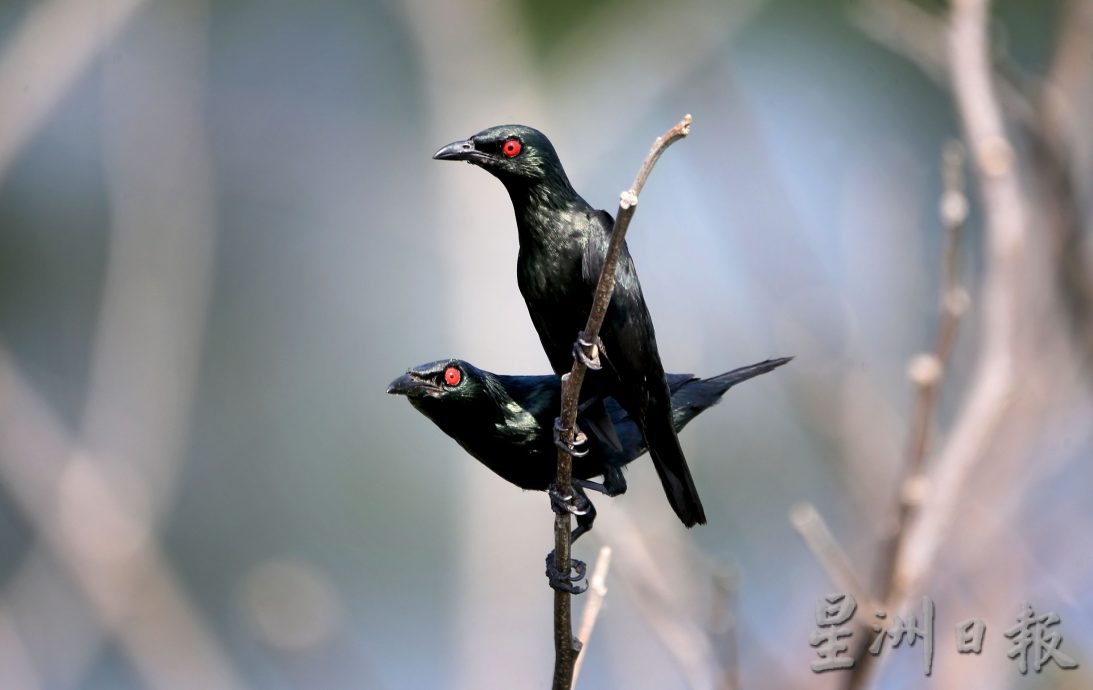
column 630, row 347
column 593, row 417
column 539, row 395
column 633, row 372
column 675, row 383
column 601, row 225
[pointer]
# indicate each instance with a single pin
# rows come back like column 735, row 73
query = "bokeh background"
column 221, row 236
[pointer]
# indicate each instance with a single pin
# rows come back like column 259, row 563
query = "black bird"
column 507, row 422
column 563, row 244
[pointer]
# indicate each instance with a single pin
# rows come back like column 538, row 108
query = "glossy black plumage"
column 506, row 422
column 563, row 242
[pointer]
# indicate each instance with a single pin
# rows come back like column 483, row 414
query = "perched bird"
column 507, row 422
column 563, row 244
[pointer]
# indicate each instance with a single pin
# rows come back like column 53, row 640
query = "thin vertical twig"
column 1006, row 224
column 926, row 372
column 597, row 590
column 723, row 625
column 565, row 652
column 655, row 575
column 826, row 549
column 1016, row 290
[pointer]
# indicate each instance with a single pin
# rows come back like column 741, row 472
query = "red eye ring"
column 511, row 148
column 452, row 377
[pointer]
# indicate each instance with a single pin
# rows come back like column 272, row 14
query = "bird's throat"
column 541, row 209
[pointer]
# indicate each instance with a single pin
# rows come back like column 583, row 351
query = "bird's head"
column 445, row 380
column 463, row 400
column 512, row 153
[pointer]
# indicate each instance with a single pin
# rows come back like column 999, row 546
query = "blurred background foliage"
column 221, row 236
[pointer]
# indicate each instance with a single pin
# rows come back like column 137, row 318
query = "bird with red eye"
column 452, row 376
column 511, row 148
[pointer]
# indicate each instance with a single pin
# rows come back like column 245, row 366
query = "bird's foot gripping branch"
column 574, row 502
column 568, row 582
column 569, row 440
column 594, row 347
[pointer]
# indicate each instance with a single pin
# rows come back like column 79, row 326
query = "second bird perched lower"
column 563, row 243
column 506, row 422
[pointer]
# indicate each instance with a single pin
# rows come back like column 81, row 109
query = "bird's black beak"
column 409, row 385
column 457, row 151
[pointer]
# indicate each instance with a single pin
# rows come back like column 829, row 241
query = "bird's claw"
column 568, row 581
column 562, row 440
column 575, row 504
column 595, row 344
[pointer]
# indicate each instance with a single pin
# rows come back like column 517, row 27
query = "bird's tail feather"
column 675, row 477
column 687, row 401
column 731, row 378
column 697, row 395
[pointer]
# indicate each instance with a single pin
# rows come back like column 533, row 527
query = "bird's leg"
column 614, row 484
column 569, row 440
column 595, row 345
column 579, row 505
column 585, row 517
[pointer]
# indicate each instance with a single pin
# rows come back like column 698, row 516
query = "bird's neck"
column 492, row 428
column 538, row 205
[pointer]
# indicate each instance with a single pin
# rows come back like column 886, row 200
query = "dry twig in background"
column 1006, row 227
column 109, row 551
column 723, row 625
column 60, row 38
column 832, row 558
column 597, row 586
column 1048, row 110
column 565, row 652
column 925, row 372
column 655, row 574
column 918, row 534
column 95, row 495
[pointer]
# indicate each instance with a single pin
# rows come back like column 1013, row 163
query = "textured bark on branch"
column 565, row 651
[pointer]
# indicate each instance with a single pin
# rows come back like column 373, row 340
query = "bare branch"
column 1007, row 229
column 597, row 587
column 60, row 38
column 109, row 552
column 1060, row 143
column 565, row 653
column 655, row 574
column 919, row 35
column 926, row 372
column 832, row 558
column 723, row 625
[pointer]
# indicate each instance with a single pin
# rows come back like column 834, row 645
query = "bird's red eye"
column 511, row 147
column 452, row 376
